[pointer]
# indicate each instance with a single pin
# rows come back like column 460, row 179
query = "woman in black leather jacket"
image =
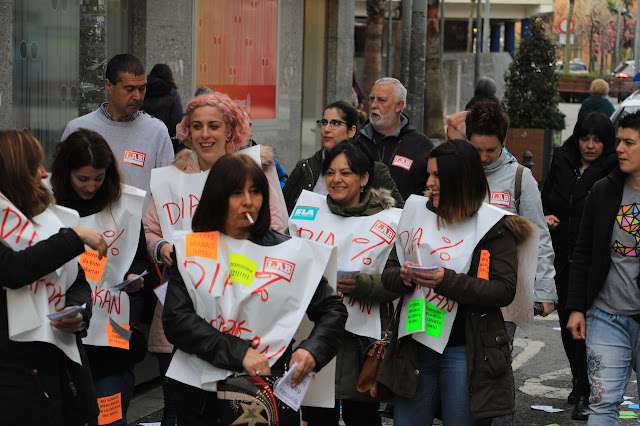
column 586, row 157
column 237, row 186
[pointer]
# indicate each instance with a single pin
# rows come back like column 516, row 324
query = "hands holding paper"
column 423, row 279
column 306, row 364
column 134, row 286
column 255, row 364
column 346, row 285
column 68, row 324
column 93, row 239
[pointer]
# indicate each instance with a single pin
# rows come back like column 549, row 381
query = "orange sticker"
column 114, row 339
column 110, row 409
column 93, row 267
column 483, row 266
column 203, row 244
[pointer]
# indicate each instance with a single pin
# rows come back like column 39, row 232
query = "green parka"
column 368, row 288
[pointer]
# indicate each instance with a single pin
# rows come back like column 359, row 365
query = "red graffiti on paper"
column 177, row 211
column 444, row 255
column 410, row 240
column 329, row 239
column 104, row 297
column 55, row 295
column 383, row 231
column 279, row 269
column 10, row 217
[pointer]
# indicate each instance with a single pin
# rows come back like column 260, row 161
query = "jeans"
column 443, row 380
column 121, row 383
column 169, row 416
column 613, row 349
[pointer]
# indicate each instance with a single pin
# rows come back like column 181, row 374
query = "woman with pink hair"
column 213, row 125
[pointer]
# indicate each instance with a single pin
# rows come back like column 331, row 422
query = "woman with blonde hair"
column 597, row 101
column 35, row 248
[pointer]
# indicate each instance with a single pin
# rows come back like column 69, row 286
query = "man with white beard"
column 393, row 141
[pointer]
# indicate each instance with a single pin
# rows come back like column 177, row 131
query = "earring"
column 362, row 189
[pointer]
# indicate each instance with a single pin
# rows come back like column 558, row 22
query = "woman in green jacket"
column 348, row 171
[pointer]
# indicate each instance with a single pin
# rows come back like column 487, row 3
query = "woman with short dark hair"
column 472, row 278
column 232, row 221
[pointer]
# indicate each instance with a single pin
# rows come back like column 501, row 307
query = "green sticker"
column 628, row 415
column 242, row 269
column 415, row 315
column 434, row 320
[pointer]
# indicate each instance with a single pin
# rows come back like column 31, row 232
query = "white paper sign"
column 120, row 226
column 176, row 194
column 257, row 293
column 28, row 306
column 364, row 244
column 287, row 393
column 520, row 310
column 426, row 315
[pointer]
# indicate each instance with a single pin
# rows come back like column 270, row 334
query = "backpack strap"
column 518, row 187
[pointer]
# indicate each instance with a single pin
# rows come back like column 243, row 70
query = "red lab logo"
column 134, row 157
column 402, row 162
column 500, row 199
column 279, row 267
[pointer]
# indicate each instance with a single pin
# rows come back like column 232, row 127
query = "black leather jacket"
column 190, row 333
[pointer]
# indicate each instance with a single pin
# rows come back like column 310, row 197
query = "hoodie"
column 501, row 176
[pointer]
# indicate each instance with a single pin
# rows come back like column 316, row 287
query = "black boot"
column 581, row 410
column 573, row 396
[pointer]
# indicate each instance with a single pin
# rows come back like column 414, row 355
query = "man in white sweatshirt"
column 139, row 141
column 487, row 126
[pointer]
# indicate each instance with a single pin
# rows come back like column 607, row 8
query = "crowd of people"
column 252, row 281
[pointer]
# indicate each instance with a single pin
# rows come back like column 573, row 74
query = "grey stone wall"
column 6, row 64
column 164, row 33
column 340, row 49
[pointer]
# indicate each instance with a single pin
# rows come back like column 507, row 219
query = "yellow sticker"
column 242, row 269
column 203, row 244
column 93, row 267
column 114, row 339
column 110, row 409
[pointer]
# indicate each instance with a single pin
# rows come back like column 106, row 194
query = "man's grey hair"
column 399, row 91
column 202, row 90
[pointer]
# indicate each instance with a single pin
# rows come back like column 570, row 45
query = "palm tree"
column 373, row 44
column 434, row 126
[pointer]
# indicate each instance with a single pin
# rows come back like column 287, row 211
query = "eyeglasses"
column 333, row 123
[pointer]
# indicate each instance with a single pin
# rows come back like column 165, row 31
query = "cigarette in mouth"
column 250, row 218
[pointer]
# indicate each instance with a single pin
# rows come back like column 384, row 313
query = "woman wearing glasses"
column 339, row 122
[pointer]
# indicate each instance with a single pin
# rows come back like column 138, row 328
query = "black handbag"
column 79, row 399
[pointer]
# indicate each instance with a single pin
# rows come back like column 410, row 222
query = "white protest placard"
column 28, row 306
column 176, row 194
column 520, row 311
column 120, row 226
column 426, row 315
column 364, row 244
column 257, row 293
